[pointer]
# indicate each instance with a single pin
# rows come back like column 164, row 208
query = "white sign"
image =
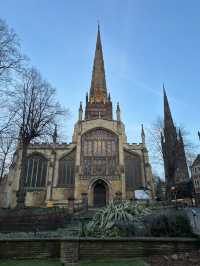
column 141, row 195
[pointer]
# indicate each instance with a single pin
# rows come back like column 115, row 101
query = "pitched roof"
column 196, row 161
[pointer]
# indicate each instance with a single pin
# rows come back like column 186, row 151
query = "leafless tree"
column 154, row 140
column 35, row 112
column 10, row 56
column 157, row 184
column 11, row 63
column 7, row 146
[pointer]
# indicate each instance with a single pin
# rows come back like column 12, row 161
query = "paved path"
column 193, row 214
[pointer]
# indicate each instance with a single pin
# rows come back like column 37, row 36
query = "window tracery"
column 66, row 170
column 36, row 171
column 99, row 153
column 132, row 170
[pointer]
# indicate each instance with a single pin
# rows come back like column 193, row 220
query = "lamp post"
column 174, row 192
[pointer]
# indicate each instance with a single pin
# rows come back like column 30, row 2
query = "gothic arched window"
column 66, row 171
column 132, row 171
column 36, row 171
column 99, row 153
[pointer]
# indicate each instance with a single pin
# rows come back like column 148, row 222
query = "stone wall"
column 124, row 248
column 29, row 249
column 135, row 247
column 72, row 250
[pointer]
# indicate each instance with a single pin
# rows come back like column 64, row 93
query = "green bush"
column 128, row 219
column 169, row 225
column 116, row 219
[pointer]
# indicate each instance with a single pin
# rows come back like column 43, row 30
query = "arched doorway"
column 99, row 194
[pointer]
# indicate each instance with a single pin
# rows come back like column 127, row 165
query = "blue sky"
column 146, row 43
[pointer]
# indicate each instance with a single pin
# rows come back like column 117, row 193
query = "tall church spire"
column 98, row 104
column 98, row 90
column 168, row 121
column 175, row 164
column 169, row 143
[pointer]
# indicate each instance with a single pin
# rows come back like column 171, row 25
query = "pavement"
column 193, row 214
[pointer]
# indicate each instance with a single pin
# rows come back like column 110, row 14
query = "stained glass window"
column 66, row 170
column 99, row 153
column 132, row 171
column 36, row 171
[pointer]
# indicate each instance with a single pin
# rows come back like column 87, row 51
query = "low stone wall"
column 74, row 249
column 91, row 248
column 134, row 247
column 33, row 219
column 29, row 249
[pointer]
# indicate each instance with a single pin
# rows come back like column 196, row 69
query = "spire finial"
column 80, row 117
column 20, row 135
column 163, row 86
column 98, row 25
column 164, row 90
column 143, row 134
column 142, row 129
column 118, row 113
column 55, row 134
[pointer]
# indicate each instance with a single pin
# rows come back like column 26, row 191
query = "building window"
column 99, row 153
column 66, row 170
column 36, row 171
column 132, row 171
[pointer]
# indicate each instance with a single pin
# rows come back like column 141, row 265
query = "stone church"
column 98, row 165
column 175, row 163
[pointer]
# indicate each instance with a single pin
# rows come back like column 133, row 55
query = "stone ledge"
column 110, row 239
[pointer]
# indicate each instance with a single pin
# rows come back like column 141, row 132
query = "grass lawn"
column 131, row 262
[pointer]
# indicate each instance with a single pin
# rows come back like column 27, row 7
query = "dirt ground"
column 186, row 259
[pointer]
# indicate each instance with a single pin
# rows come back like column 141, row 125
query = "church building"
column 175, row 164
column 98, row 165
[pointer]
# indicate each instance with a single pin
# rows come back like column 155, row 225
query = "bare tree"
column 10, row 56
column 154, row 139
column 11, row 62
column 158, row 187
column 35, row 110
column 7, row 145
